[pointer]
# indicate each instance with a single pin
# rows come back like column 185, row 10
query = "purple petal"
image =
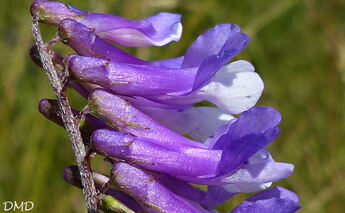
column 182, row 188
column 126, row 118
column 141, row 103
column 212, row 50
column 86, row 43
column 131, row 79
column 273, row 200
column 169, row 63
column 252, row 131
column 149, row 191
column 216, row 195
column 209, row 199
column 176, row 160
column 156, row 30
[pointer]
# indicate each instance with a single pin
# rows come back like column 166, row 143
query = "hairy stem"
column 69, row 121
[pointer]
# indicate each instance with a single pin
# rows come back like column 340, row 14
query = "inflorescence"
column 141, row 115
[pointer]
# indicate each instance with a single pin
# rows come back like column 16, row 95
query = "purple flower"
column 86, row 43
column 156, row 30
column 157, row 148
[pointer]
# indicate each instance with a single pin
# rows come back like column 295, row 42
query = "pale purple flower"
column 156, row 30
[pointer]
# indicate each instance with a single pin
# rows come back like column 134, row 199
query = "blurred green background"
column 297, row 46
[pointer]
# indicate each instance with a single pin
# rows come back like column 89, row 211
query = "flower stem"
column 69, row 121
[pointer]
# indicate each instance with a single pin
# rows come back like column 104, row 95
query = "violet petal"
column 273, row 200
column 176, row 160
column 149, row 191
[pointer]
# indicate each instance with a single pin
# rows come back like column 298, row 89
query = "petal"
column 157, row 30
column 257, row 174
column 131, row 79
column 252, row 131
column 198, row 122
column 216, row 195
column 256, row 177
column 233, row 92
column 176, row 160
column 149, row 191
column 212, row 50
column 170, row 63
column 209, row 43
column 183, row 188
column 255, row 121
column 273, row 200
column 145, row 103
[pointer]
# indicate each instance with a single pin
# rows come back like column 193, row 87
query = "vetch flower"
column 234, row 88
column 231, row 147
column 156, row 30
column 86, row 43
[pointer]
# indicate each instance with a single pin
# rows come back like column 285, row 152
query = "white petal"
column 246, row 187
column 236, row 66
column 233, row 92
column 198, row 122
column 258, row 174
